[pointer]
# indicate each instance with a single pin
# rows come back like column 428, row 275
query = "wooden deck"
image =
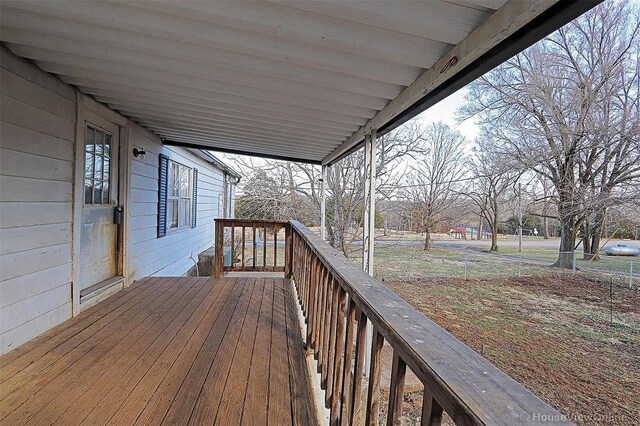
column 167, row 351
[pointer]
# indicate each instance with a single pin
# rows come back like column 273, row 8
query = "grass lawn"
column 411, row 263
column 550, row 333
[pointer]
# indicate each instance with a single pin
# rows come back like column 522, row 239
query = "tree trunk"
column 427, row 239
column 494, row 230
column 545, row 227
column 586, row 241
column 596, row 234
column 567, row 241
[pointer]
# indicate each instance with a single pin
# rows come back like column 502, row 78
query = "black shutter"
column 163, row 176
column 194, row 199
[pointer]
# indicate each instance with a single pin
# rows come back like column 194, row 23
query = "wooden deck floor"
column 167, row 351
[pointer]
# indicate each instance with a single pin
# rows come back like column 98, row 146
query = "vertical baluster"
column 373, row 397
column 431, row 410
column 297, row 261
column 275, row 247
column 396, row 390
column 317, row 307
column 308, row 292
column 264, row 249
column 312, row 290
column 327, row 332
column 243, row 247
column 253, row 246
column 305, row 281
column 307, row 295
column 322, row 319
column 358, row 369
column 233, row 249
column 348, row 357
column 332, row 342
column 339, row 358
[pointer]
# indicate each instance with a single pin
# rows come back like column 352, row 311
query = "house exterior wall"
column 37, row 134
column 170, row 255
column 38, row 215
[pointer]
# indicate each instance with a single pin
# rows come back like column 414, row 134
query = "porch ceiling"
column 285, row 79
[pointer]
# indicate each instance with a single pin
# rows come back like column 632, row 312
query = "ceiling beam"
column 511, row 29
column 239, row 152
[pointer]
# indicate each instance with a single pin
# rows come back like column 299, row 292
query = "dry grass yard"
column 553, row 334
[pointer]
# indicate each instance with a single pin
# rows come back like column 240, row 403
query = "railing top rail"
column 249, row 222
column 467, row 386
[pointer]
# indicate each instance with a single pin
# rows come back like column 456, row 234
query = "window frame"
column 187, row 223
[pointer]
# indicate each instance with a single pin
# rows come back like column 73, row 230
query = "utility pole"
column 520, row 217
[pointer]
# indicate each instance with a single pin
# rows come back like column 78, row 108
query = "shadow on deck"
column 167, row 350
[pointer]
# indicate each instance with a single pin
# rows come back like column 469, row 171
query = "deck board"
column 167, row 351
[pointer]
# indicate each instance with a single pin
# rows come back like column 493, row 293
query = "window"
column 97, row 166
column 179, row 193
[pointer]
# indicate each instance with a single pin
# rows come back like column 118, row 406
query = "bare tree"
column 492, row 178
column 567, row 108
column 298, row 184
column 433, row 180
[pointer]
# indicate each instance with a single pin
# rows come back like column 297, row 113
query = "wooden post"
column 288, row 251
column 219, row 247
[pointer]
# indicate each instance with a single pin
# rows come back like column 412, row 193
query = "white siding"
column 37, row 139
column 37, row 132
column 169, row 255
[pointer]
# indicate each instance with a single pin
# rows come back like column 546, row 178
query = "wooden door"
column 98, row 235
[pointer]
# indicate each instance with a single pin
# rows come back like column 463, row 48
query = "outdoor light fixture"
column 139, row 152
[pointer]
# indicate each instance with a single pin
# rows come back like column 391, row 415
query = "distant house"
column 90, row 202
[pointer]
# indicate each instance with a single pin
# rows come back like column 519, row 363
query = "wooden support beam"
column 512, row 28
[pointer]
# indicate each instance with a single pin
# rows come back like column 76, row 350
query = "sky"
column 445, row 110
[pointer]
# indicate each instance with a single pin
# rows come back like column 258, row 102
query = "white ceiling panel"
column 289, row 79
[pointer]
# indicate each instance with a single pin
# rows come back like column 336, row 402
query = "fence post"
column 465, row 267
column 631, row 273
column 573, row 266
column 409, row 267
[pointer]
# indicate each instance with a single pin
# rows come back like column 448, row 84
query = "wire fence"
column 412, row 263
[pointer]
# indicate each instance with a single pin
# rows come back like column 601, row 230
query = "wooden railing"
column 252, row 245
column 338, row 300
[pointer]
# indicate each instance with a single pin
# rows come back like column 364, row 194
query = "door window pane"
column 97, row 166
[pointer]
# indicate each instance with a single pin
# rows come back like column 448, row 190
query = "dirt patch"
column 552, row 334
